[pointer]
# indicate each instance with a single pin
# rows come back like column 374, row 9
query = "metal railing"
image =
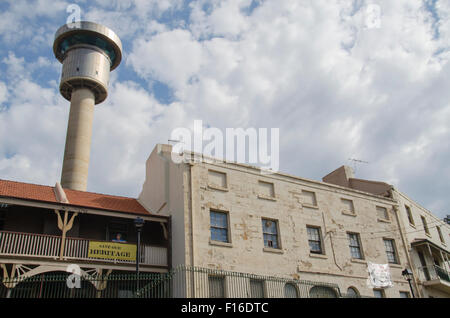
column 55, row 285
column 433, row 272
column 210, row 283
column 181, row 282
column 25, row 244
column 48, row 246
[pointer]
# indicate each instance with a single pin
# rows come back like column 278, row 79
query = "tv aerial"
column 356, row 161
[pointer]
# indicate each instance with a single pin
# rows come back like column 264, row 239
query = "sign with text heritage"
column 112, row 251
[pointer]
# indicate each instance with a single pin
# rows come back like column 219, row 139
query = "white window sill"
column 349, row 213
column 273, row 250
column 310, row 206
column 219, row 243
column 359, row 261
column 216, row 187
column 321, row 256
column 384, row 220
column 395, row 265
column 266, row 197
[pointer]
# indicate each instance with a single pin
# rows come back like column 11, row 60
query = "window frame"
column 265, row 196
column 407, row 293
column 382, row 292
column 277, row 234
column 227, row 228
column 309, row 205
column 394, row 252
column 346, row 211
column 425, row 225
column 313, row 292
column 359, row 246
column 385, row 218
column 217, row 186
column 294, row 286
column 319, row 232
column 355, row 290
column 410, row 216
column 441, row 237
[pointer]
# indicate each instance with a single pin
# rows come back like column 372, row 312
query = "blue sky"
column 336, row 85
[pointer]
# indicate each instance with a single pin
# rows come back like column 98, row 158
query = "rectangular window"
column 355, row 245
column 216, row 286
column 348, row 206
column 309, row 198
column 315, row 240
column 219, row 226
column 270, row 233
column 425, row 225
column 404, row 294
column 379, row 293
column 266, row 189
column 410, row 217
column 256, row 288
column 382, row 213
column 440, row 234
column 391, row 252
column 216, row 178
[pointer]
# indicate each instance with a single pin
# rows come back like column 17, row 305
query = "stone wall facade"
column 246, row 199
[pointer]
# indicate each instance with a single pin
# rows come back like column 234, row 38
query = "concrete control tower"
column 88, row 52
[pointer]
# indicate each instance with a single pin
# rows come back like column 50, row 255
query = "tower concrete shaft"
column 78, row 140
column 88, row 52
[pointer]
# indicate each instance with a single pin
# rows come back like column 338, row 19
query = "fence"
column 209, row 283
column 181, row 282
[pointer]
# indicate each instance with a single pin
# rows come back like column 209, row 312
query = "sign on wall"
column 112, row 251
column 379, row 275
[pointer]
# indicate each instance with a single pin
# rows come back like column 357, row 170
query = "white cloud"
column 160, row 57
column 335, row 87
column 3, row 93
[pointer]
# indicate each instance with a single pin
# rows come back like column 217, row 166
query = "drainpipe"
column 405, row 246
column 331, row 241
column 191, row 215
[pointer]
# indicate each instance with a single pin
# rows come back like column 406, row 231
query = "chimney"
column 340, row 176
column 60, row 194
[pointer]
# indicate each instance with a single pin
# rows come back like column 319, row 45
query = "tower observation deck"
column 88, row 52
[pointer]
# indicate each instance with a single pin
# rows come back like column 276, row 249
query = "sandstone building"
column 231, row 217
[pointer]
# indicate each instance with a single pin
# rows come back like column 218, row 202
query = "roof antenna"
column 173, row 141
column 355, row 161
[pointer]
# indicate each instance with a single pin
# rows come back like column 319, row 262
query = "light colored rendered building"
column 425, row 236
column 428, row 241
column 231, row 217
